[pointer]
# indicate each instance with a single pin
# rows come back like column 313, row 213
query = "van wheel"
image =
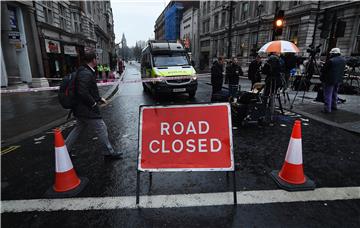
column 192, row 94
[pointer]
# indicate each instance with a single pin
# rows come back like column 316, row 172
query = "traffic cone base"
column 292, row 177
column 65, row 181
column 51, row 193
column 307, row 185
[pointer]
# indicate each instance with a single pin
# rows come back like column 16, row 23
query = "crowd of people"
column 278, row 68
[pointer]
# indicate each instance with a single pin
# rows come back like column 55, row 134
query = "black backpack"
column 67, row 91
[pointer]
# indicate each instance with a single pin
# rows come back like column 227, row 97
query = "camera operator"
column 272, row 69
column 331, row 76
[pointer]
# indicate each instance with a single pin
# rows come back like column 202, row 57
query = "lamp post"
column 260, row 6
column 230, row 9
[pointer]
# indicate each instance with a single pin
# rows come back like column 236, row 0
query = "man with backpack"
column 86, row 107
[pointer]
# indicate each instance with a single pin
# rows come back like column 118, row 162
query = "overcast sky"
column 136, row 18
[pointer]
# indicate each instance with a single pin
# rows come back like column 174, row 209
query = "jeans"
column 233, row 89
column 330, row 96
column 94, row 124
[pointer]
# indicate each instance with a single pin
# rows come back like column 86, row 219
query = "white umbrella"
column 279, row 46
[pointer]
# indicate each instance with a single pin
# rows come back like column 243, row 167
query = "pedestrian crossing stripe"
column 180, row 200
column 8, row 150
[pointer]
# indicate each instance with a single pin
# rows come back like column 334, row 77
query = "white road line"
column 175, row 201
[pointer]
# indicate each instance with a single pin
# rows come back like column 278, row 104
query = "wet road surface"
column 330, row 156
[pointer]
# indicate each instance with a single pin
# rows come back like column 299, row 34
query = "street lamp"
column 255, row 47
column 230, row 9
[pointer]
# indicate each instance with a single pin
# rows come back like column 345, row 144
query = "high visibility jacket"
column 100, row 68
column 107, row 69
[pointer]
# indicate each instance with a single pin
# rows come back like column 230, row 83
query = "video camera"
column 353, row 62
column 313, row 50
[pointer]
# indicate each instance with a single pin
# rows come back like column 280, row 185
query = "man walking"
column 86, row 110
column 331, row 77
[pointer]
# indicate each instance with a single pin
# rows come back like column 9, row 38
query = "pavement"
column 28, row 113
column 346, row 117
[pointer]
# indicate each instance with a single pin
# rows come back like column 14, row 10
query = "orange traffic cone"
column 67, row 183
column 291, row 177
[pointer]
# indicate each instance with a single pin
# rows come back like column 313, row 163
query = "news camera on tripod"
column 303, row 83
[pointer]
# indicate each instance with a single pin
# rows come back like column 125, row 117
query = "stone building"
column 68, row 29
column 21, row 64
column 189, row 32
column 47, row 39
column 252, row 26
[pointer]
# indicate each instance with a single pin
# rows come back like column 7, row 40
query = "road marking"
column 175, row 201
column 8, row 150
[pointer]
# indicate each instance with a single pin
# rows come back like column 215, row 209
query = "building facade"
column 21, row 64
column 47, row 39
column 252, row 26
column 68, row 29
column 189, row 34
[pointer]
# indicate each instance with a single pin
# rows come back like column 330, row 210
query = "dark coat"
column 233, row 72
column 272, row 68
column 217, row 77
column 254, row 71
column 333, row 70
column 87, row 94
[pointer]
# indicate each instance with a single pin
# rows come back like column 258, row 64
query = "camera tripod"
column 273, row 91
column 307, row 76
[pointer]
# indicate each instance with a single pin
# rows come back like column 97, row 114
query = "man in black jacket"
column 331, row 76
column 233, row 72
column 87, row 110
column 254, row 71
column 217, row 77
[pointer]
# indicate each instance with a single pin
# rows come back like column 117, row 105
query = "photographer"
column 272, row 69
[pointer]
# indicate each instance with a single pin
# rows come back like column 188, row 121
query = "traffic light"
column 324, row 25
column 278, row 22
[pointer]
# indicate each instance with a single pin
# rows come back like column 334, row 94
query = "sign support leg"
column 137, row 187
column 234, row 181
column 150, row 180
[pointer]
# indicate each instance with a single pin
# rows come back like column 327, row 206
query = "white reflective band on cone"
column 62, row 160
column 294, row 152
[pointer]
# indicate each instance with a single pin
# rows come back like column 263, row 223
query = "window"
column 48, row 12
column 215, row 47
column 62, row 16
column 253, row 38
column 293, row 34
column 357, row 47
column 76, row 22
column 216, row 22
column 205, row 43
column 295, row 3
column 244, row 10
column 170, row 60
column 223, row 19
column 204, row 8
column 91, row 30
column 221, row 49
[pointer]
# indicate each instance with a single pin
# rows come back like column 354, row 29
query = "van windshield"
column 170, row 60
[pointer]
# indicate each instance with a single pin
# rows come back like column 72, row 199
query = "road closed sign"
column 186, row 138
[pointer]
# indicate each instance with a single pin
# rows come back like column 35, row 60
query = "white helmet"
column 335, row 51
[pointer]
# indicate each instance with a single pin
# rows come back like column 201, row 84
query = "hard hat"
column 335, row 51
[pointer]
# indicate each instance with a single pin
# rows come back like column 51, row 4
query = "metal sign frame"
column 140, row 169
